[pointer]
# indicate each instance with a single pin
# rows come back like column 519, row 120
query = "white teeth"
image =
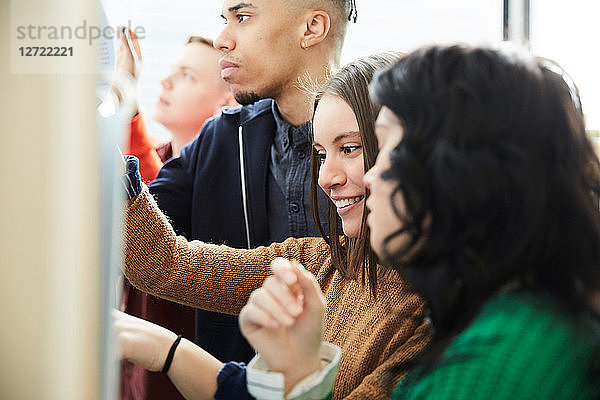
column 346, row 202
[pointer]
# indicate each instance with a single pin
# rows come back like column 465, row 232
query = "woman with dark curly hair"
column 485, row 196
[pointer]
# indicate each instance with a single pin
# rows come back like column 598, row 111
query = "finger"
column 263, row 299
column 313, row 296
column 124, row 38
column 136, row 45
column 283, row 269
column 284, row 294
column 253, row 317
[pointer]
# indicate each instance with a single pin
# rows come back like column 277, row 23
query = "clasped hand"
column 283, row 321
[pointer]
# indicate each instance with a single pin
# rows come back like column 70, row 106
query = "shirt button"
column 301, row 155
column 294, row 207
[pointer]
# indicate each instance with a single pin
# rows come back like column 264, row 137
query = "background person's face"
column 338, row 144
column 261, row 48
column 193, row 91
column 382, row 219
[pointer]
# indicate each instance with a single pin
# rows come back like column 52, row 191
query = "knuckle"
column 269, row 281
column 254, row 295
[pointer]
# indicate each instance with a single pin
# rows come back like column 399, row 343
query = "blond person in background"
column 192, row 92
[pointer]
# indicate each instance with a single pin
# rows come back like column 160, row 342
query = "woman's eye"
column 321, row 157
column 349, row 149
column 242, row 17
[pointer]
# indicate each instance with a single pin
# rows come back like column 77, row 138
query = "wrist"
column 171, row 354
column 264, row 383
column 131, row 179
column 301, row 370
column 188, row 360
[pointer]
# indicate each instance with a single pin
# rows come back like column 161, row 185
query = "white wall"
column 49, row 261
column 382, row 25
column 568, row 33
column 562, row 31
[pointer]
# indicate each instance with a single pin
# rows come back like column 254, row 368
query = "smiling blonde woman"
column 375, row 317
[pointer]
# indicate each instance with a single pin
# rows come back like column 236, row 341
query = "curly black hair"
column 500, row 181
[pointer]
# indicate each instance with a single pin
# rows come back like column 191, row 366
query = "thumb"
column 136, row 45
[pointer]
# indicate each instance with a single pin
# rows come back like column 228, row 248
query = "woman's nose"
column 331, row 174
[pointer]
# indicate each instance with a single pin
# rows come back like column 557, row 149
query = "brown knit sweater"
column 373, row 333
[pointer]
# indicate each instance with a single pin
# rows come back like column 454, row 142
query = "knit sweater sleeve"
column 207, row 276
column 515, row 349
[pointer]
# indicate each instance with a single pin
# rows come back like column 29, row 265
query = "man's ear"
column 315, row 29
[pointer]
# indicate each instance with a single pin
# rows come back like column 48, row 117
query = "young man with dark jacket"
column 245, row 181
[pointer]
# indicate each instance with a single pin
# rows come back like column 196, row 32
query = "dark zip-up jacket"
column 216, row 191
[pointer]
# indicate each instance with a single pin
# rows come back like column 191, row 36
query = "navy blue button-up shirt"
column 289, row 183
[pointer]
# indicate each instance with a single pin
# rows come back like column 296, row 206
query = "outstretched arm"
column 193, row 371
column 211, row 277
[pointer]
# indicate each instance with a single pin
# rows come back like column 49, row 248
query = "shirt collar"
column 287, row 134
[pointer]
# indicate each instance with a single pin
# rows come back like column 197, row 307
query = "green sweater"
column 519, row 346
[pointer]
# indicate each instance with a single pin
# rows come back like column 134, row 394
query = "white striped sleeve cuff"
column 266, row 385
